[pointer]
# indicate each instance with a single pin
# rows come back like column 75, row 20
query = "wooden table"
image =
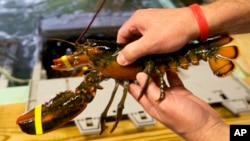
column 9, row 131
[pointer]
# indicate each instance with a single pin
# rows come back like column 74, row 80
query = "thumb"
column 131, row 52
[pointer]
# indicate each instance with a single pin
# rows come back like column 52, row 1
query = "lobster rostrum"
column 101, row 56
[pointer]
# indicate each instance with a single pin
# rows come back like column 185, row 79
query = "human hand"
column 180, row 110
column 156, row 31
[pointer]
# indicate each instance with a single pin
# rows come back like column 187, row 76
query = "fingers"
column 152, row 91
column 131, row 32
column 135, row 91
column 147, row 44
column 131, row 53
column 131, row 29
column 173, row 79
column 151, row 96
column 127, row 33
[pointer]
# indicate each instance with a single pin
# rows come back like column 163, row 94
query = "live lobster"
column 101, row 56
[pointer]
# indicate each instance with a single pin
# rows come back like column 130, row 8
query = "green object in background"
column 12, row 95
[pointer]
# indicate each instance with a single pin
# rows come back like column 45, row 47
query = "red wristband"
column 201, row 20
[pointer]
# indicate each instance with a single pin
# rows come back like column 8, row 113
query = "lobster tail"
column 227, row 52
column 221, row 67
column 221, row 60
column 219, row 40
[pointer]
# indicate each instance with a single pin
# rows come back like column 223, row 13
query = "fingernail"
column 121, row 59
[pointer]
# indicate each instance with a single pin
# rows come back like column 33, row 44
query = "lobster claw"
column 62, row 108
column 53, row 114
column 69, row 62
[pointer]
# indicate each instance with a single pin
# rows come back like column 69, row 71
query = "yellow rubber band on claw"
column 38, row 120
column 66, row 62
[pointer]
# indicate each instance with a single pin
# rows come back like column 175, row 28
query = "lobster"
column 101, row 55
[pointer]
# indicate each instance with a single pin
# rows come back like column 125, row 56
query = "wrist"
column 213, row 130
column 227, row 16
column 215, row 19
column 201, row 21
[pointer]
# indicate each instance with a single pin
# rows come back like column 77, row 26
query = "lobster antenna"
column 86, row 29
column 57, row 39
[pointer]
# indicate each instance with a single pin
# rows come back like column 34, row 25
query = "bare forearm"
column 229, row 16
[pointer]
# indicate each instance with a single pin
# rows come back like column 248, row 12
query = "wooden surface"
column 9, row 131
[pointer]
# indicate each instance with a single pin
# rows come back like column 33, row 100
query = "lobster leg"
column 105, row 112
column 162, row 84
column 121, row 105
column 148, row 70
column 150, row 67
